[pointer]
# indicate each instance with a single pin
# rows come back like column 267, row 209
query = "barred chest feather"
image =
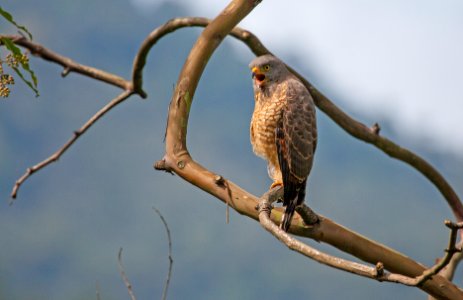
column 264, row 120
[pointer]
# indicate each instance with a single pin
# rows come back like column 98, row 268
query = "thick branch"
column 351, row 126
column 178, row 160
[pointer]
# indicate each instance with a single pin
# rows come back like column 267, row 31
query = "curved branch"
column 350, row 125
column 178, row 160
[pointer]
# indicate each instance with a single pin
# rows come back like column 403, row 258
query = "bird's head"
column 267, row 69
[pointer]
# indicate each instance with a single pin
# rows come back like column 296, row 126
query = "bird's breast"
column 267, row 112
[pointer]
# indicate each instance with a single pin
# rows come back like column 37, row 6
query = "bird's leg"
column 307, row 214
column 272, row 195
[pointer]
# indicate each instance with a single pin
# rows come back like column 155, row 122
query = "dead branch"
column 127, row 283
column 171, row 261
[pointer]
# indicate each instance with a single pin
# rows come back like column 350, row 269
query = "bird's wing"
column 296, row 138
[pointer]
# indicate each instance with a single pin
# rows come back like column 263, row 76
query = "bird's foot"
column 308, row 215
column 274, row 194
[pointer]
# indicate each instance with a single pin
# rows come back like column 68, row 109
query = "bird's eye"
column 267, row 67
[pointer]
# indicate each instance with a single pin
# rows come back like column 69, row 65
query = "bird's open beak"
column 257, row 75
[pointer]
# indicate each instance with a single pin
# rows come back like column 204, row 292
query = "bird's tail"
column 289, row 213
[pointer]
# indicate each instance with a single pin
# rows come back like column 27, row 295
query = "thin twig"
column 127, row 283
column 55, row 156
column 171, row 261
column 450, row 251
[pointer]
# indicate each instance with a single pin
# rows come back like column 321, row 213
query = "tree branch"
column 178, row 160
column 350, row 125
column 68, row 64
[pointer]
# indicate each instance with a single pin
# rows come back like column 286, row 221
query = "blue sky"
column 394, row 60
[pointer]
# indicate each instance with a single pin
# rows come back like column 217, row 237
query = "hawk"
column 283, row 129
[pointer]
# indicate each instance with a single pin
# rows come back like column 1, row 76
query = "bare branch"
column 350, row 125
column 171, row 261
column 55, row 156
column 127, row 283
column 68, row 64
column 178, row 160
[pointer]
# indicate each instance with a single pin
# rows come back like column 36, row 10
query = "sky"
column 394, row 60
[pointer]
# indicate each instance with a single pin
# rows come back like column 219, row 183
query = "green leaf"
column 9, row 44
column 32, row 86
column 10, row 19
